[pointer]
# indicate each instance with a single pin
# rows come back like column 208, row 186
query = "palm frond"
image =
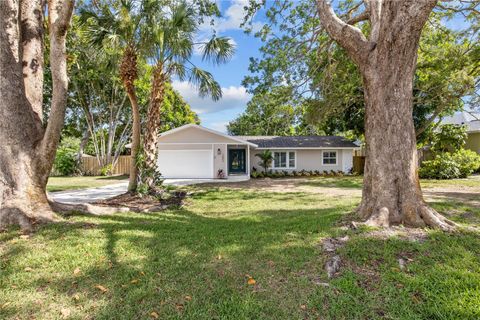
column 218, row 50
column 204, row 82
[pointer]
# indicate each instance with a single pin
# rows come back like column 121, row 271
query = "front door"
column 236, row 161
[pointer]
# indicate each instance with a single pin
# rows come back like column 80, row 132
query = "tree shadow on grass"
column 192, row 263
column 441, row 279
column 181, row 264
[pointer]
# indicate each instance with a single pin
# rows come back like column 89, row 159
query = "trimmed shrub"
column 468, row 161
column 255, row 174
column 446, row 165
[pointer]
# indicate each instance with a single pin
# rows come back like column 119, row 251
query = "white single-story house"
column 196, row 152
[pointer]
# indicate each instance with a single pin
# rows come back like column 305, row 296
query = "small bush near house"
column 255, row 174
column 446, row 165
column 65, row 163
column 468, row 161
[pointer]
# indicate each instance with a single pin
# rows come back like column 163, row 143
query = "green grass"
column 192, row 263
column 356, row 182
column 472, row 181
column 73, row 183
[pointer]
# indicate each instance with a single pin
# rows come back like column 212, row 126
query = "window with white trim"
column 329, row 157
column 284, row 160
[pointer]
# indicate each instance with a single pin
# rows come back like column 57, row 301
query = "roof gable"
column 193, row 133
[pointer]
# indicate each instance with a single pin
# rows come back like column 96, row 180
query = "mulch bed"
column 145, row 203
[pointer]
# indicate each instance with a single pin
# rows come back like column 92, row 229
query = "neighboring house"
column 472, row 121
column 192, row 151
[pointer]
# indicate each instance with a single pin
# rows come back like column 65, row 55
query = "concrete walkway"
column 89, row 195
column 101, row 193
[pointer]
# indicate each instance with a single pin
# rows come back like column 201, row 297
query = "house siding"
column 473, row 142
column 311, row 160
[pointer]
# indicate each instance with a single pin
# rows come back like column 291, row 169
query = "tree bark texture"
column 387, row 61
column 28, row 149
column 153, row 122
column 128, row 74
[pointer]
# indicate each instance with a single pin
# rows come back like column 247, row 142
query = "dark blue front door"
column 236, row 161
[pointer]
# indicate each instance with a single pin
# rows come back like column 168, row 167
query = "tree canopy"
column 326, row 83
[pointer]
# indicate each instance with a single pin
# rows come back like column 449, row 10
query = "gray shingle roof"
column 299, row 141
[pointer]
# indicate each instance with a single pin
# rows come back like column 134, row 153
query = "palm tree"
column 116, row 27
column 266, row 159
column 172, row 45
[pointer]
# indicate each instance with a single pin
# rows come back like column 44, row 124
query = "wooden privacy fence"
column 358, row 164
column 90, row 166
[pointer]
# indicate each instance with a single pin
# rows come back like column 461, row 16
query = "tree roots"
column 418, row 217
column 28, row 216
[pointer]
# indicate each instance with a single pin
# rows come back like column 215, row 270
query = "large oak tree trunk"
column 153, row 123
column 28, row 149
column 387, row 60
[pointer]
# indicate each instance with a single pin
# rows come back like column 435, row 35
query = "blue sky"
column 216, row 115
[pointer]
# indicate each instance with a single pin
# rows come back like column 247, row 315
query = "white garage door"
column 186, row 163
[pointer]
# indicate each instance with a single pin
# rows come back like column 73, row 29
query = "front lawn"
column 82, row 182
column 243, row 253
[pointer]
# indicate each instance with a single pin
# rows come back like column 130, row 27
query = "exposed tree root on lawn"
column 414, row 216
column 145, row 203
column 85, row 208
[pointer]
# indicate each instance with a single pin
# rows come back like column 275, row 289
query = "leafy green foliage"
column 468, row 162
column 267, row 114
column 448, row 165
column 106, row 170
column 144, row 172
column 449, row 138
column 298, row 53
column 65, row 162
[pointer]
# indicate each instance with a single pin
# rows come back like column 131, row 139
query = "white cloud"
column 231, row 19
column 233, row 97
column 219, row 126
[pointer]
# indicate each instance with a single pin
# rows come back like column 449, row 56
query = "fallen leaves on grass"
column 251, row 281
column 101, row 288
column 154, row 315
column 179, row 306
column 65, row 312
column 28, row 269
column 134, row 281
column 76, row 271
column 188, row 298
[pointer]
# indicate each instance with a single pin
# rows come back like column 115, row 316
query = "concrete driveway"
column 101, row 193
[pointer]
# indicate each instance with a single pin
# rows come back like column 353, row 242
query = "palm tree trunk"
column 153, row 123
column 132, row 183
column 128, row 74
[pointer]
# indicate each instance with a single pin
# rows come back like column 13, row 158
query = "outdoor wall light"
column 219, row 152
